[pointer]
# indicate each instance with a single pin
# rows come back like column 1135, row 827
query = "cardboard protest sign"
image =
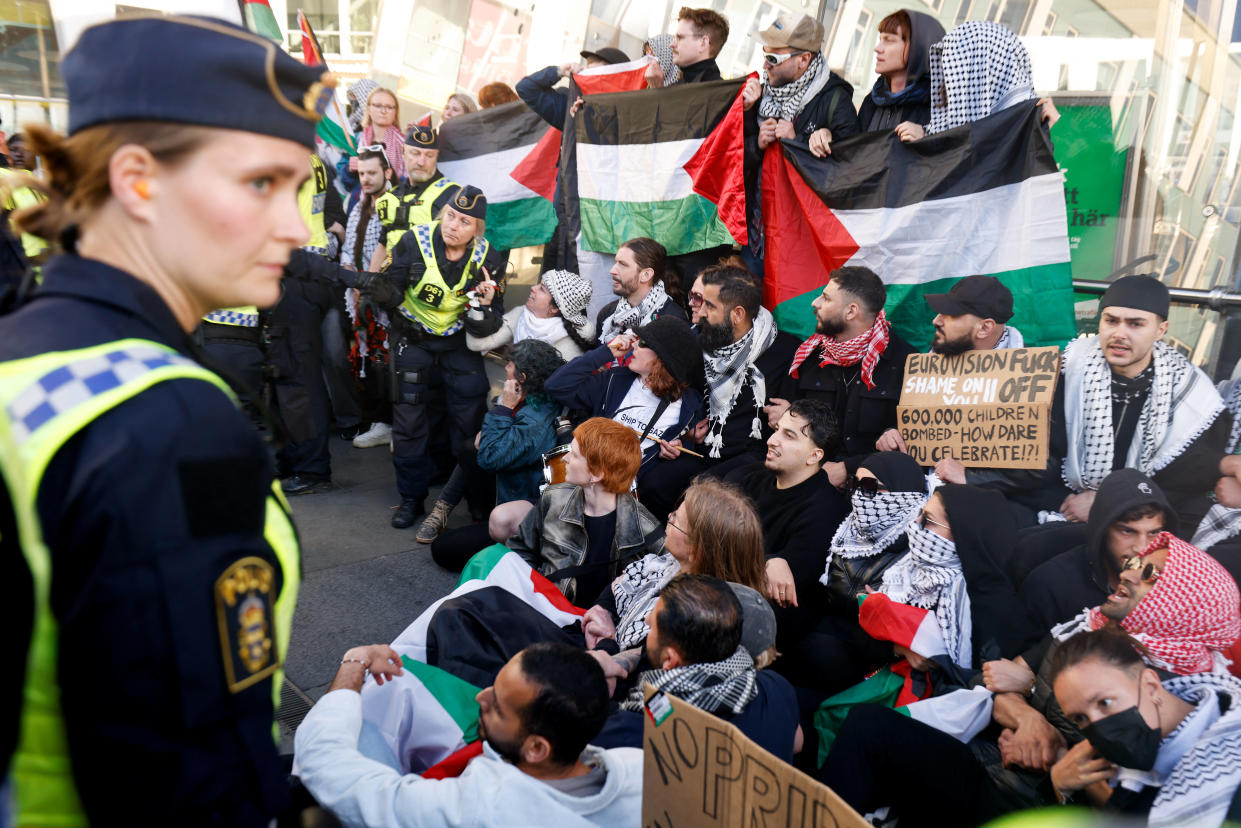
column 700, row 771
column 985, row 408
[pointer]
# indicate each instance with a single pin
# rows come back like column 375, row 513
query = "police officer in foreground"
column 437, row 287
column 416, row 200
column 163, row 562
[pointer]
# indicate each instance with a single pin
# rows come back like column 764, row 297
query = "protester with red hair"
column 584, row 531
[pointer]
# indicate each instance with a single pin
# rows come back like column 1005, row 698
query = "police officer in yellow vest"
column 416, row 200
column 437, row 287
column 163, row 562
column 19, row 252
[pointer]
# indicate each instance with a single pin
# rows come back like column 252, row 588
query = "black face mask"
column 1125, row 738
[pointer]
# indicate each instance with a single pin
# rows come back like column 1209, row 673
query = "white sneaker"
column 377, row 435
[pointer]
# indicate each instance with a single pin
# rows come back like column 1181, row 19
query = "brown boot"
column 433, row 524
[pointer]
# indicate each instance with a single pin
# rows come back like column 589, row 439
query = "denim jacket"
column 553, row 535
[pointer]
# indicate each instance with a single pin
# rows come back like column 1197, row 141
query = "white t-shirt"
column 637, row 409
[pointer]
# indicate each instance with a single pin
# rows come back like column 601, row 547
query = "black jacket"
column 831, row 108
column 700, row 72
column 883, row 110
column 863, row 413
column 1057, row 590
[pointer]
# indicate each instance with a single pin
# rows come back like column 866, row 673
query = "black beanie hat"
column 896, row 470
column 1141, row 292
column 672, row 340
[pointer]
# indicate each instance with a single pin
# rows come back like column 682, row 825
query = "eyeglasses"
column 924, row 519
column 678, row 528
column 869, row 486
column 695, row 299
column 776, row 60
column 385, row 107
column 1148, row 572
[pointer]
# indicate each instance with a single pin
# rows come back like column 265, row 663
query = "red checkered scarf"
column 865, row 348
column 394, row 144
column 1191, row 612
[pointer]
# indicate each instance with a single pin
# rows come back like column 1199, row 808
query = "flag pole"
column 309, row 33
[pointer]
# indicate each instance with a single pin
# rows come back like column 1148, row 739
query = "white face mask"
column 875, row 514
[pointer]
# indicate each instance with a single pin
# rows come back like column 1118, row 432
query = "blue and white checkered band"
column 62, row 389
column 452, row 329
column 230, row 317
column 423, row 232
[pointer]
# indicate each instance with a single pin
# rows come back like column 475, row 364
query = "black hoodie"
column 984, row 530
column 1059, row 589
column 883, row 110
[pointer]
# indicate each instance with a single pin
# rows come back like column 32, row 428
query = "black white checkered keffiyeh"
column 1199, row 788
column 731, row 369
column 930, row 577
column 873, row 524
column 729, row 685
column 787, row 101
column 1221, row 522
column 626, row 317
column 636, row 591
column 1181, row 405
column 980, row 67
column 370, row 238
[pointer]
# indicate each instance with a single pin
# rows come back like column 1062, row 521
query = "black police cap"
column 469, row 201
column 198, row 71
column 422, row 136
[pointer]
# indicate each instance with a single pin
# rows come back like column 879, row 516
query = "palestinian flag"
column 985, row 198
column 509, row 153
column 261, row 20
column 421, row 718
column 617, row 77
column 635, row 172
column 910, row 627
column 332, row 129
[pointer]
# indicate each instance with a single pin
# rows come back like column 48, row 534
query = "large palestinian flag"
column 985, row 198
column 422, row 717
column 632, row 172
column 498, row 150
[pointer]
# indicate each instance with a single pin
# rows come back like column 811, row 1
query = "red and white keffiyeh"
column 394, row 143
column 1191, row 613
column 865, row 348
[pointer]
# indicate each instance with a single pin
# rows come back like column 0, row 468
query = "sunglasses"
column 641, row 344
column 924, row 519
column 695, row 299
column 374, row 148
column 776, row 60
column 869, row 486
column 1148, row 572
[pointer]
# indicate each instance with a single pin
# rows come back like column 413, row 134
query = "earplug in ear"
column 143, row 188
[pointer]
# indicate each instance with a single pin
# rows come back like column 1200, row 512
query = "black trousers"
column 927, row 777
column 441, row 398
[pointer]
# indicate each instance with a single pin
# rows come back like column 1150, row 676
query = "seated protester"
column 853, row 362
column 902, row 92
column 1114, row 409
column 696, row 650
column 745, row 358
column 509, row 446
column 1220, row 531
column 555, row 313
column 583, row 532
column 825, row 650
column 650, row 392
column 985, row 778
column 638, row 280
column 536, row 722
column 955, row 569
column 798, row 508
column 713, row 531
column 971, row 316
column 978, row 68
column 1166, row 749
column 1129, row 511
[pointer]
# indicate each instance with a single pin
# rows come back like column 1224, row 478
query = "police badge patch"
column 244, row 599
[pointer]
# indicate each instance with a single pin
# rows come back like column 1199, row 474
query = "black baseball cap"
column 983, row 296
column 608, row 55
